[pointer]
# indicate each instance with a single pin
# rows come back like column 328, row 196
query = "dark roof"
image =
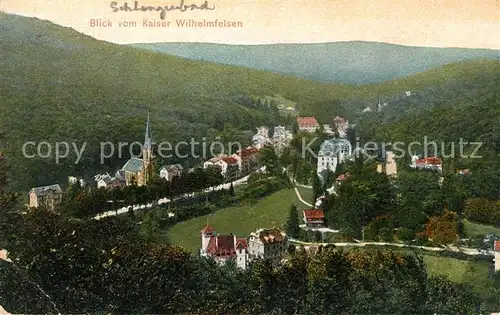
column 44, row 190
column 134, row 165
column 271, row 236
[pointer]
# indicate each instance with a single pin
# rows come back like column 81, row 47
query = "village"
column 266, row 242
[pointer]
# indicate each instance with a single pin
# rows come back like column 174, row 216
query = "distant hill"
column 59, row 85
column 342, row 62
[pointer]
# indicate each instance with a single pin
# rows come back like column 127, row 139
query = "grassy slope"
column 475, row 229
column 474, row 273
column 347, row 62
column 240, row 220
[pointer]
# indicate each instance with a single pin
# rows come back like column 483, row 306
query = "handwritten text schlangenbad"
column 182, row 7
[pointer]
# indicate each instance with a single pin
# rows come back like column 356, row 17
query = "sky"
column 436, row 23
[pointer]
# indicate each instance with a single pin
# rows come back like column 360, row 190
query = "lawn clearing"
column 240, row 220
column 474, row 273
column 476, row 229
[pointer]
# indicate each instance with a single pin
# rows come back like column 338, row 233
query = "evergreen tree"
column 317, row 186
column 292, row 224
column 3, row 174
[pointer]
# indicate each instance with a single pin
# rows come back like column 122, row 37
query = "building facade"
column 223, row 248
column 308, row 124
column 46, row 196
column 333, row 152
column 314, row 218
column 168, row 172
column 267, row 244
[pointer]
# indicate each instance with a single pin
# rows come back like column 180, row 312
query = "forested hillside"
column 352, row 62
column 58, row 85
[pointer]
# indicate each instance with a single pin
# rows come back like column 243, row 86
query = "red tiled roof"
column 230, row 160
column 207, row 229
column 314, row 214
column 307, row 121
column 497, row 245
column 241, row 243
column 221, row 245
column 430, row 160
column 247, row 152
column 343, row 176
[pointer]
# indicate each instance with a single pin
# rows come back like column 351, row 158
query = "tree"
column 231, row 190
column 318, row 190
column 3, row 174
column 292, row 223
column 443, row 229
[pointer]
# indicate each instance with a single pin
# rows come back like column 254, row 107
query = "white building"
column 333, row 152
column 168, row 172
column 496, row 248
column 267, row 244
column 223, row 248
column 73, row 180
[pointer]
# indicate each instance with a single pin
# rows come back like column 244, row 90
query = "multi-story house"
column 307, row 124
column 314, row 218
column 168, row 172
column 46, row 196
column 333, row 152
column 223, row 248
column 267, row 244
column 249, row 160
column 229, row 166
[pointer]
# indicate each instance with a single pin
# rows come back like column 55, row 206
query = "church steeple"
column 147, row 153
column 147, row 136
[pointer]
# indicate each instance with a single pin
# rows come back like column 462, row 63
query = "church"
column 139, row 171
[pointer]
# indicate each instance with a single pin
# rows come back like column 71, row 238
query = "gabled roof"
column 44, row 190
column 314, row 214
column 241, row 243
column 134, row 165
column 496, row 245
column 207, row 229
column 230, row 160
column 432, row 160
column 247, row 152
column 172, row 167
column 221, row 245
column 307, row 121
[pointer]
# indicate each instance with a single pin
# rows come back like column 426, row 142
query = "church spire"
column 147, row 136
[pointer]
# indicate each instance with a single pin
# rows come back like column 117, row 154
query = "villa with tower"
column 138, row 170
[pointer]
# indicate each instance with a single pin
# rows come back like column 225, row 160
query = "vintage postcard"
column 249, row 157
